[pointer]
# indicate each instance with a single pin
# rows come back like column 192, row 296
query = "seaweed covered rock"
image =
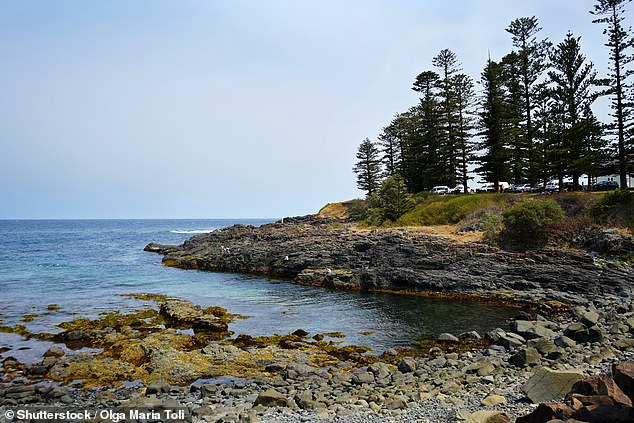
column 180, row 312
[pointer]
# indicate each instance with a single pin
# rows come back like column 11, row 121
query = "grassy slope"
column 451, row 209
column 461, row 210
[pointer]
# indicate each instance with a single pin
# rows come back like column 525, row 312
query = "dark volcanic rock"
column 209, row 324
column 606, row 241
column 160, row 248
column 314, row 251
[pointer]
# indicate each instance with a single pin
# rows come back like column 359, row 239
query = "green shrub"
column 615, row 207
column 391, row 202
column 492, row 224
column 374, row 218
column 394, row 198
column 358, row 209
column 530, row 223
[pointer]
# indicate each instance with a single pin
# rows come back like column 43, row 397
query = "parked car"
column 459, row 189
column 605, row 186
column 568, row 186
column 520, row 188
column 440, row 189
column 490, row 187
column 552, row 186
column 485, row 188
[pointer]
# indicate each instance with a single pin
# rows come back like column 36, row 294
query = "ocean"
column 85, row 267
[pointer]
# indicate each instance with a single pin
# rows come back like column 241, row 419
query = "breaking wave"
column 192, row 231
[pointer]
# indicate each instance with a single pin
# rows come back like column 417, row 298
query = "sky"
column 224, row 109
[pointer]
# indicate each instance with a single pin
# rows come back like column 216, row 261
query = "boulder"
column 548, row 385
column 589, row 318
column 623, row 374
column 486, row 416
column 531, row 329
column 222, row 352
column 601, row 385
column 305, row 401
column 209, row 323
column 274, row 368
column 75, row 335
column 380, row 370
column 301, row 333
column 438, row 362
column 362, row 377
column 494, row 335
column 546, row 348
column 448, row 337
column 470, row 335
column 565, row 342
column 181, row 312
column 407, row 365
column 528, row 356
column 492, row 400
column 580, row 333
column 483, row 367
column 587, row 386
column 510, row 340
column 295, row 371
column 271, row 398
column 600, row 398
column 547, row 412
column 174, row 366
column 54, row 351
column 596, row 410
column 158, row 388
column 607, row 241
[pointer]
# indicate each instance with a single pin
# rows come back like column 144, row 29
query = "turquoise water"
column 84, row 266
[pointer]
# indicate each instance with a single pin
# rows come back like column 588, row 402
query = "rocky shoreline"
column 175, row 355
column 326, row 252
column 149, row 364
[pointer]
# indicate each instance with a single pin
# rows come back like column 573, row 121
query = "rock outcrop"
column 324, row 252
column 601, row 398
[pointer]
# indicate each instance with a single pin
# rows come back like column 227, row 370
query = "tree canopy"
column 529, row 118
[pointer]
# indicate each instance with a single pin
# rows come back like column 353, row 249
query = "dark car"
column 537, row 189
column 605, row 186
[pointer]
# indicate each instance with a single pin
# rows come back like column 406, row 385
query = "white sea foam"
column 192, row 231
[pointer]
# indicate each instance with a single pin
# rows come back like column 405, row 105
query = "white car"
column 490, row 187
column 459, row 189
column 485, row 188
column 440, row 189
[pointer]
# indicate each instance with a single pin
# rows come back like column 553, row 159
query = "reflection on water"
column 85, row 266
column 375, row 319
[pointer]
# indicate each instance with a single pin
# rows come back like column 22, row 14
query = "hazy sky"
column 151, row 109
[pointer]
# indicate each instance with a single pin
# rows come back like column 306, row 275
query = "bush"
column 390, row 203
column 492, row 224
column 358, row 209
column 615, row 207
column 529, row 224
column 394, row 198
